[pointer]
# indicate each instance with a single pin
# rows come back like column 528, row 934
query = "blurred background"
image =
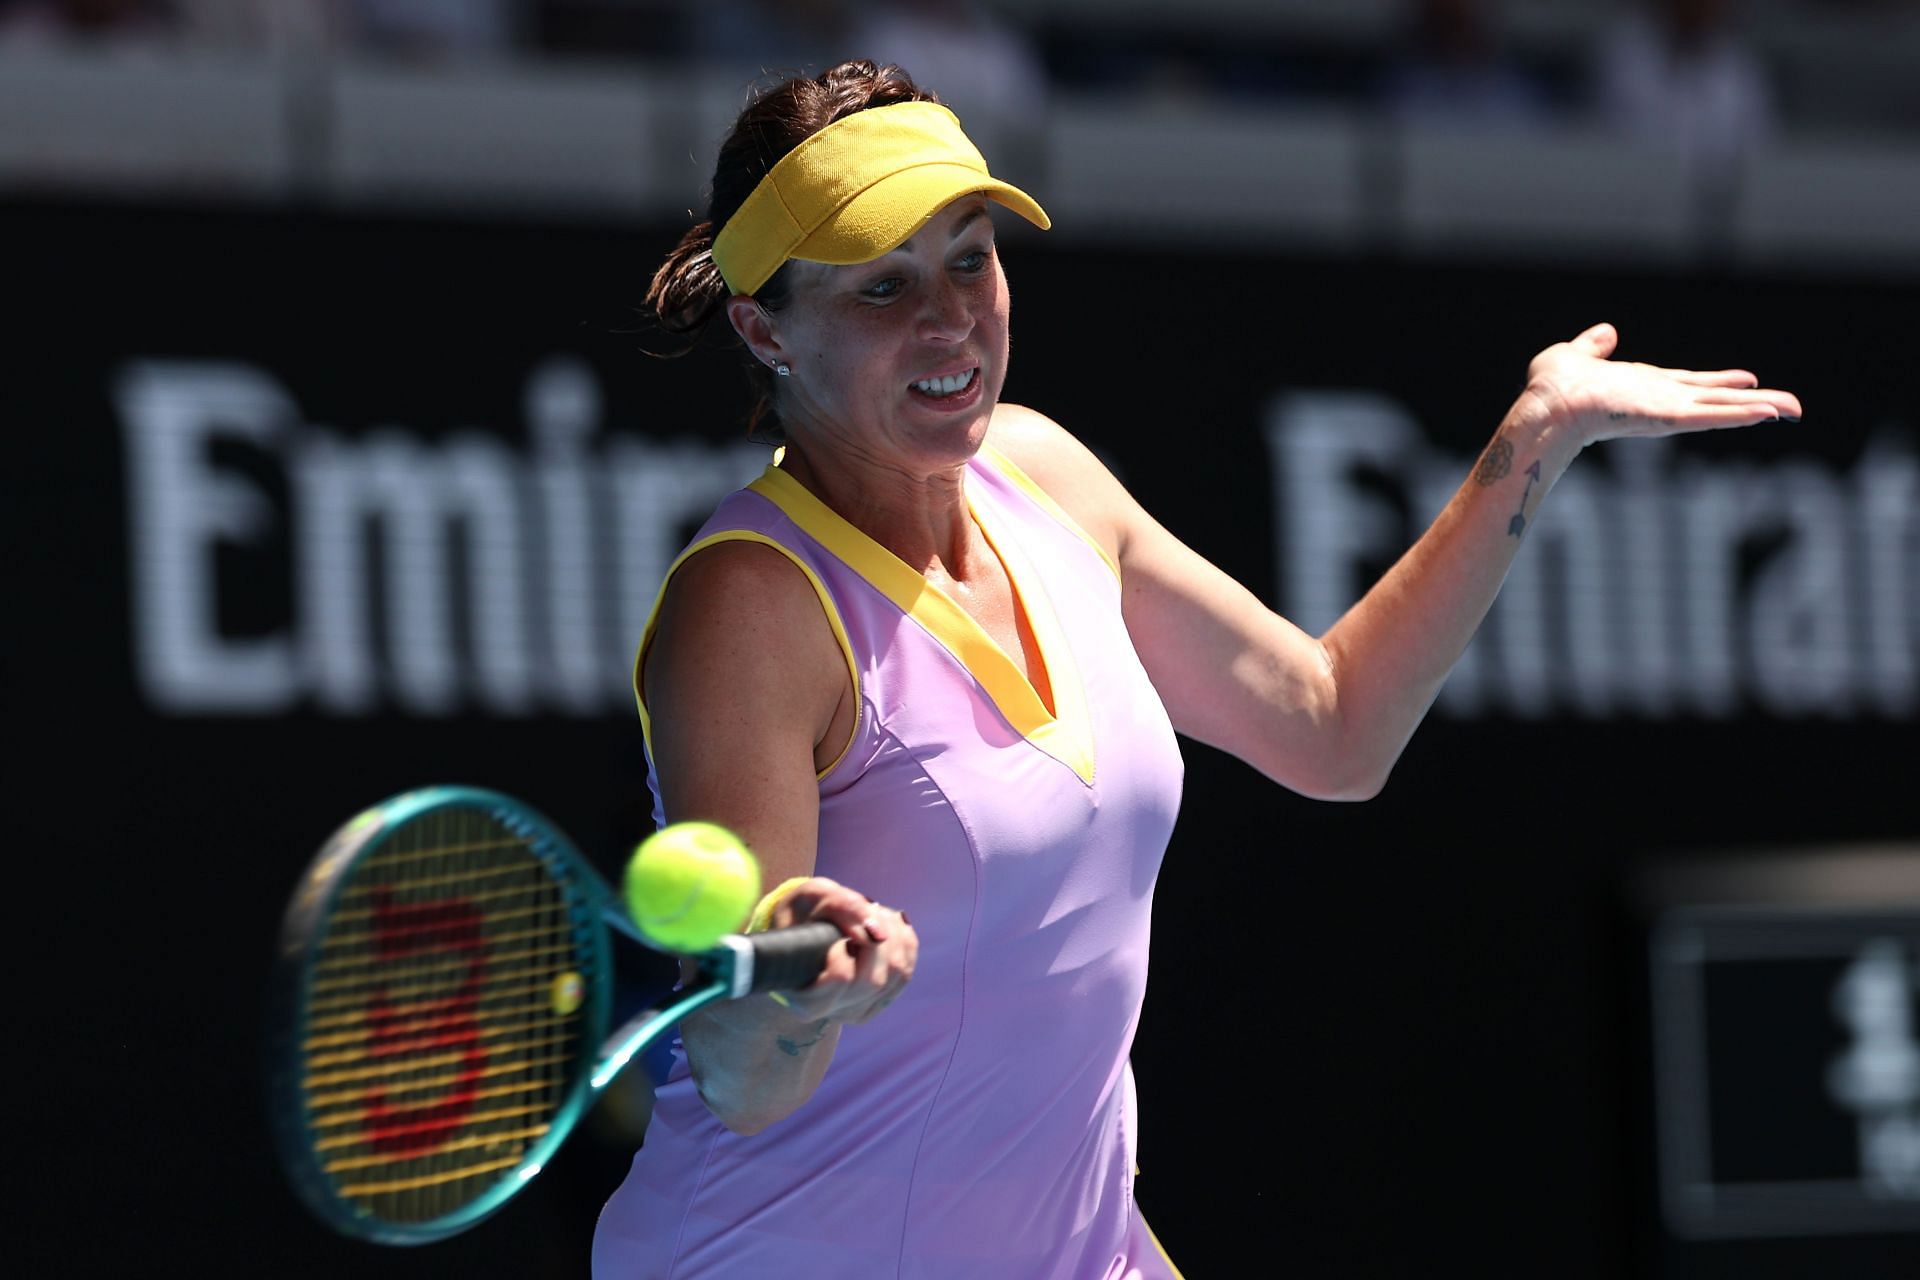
column 337, row 464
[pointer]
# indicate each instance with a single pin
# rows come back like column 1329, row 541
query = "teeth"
column 944, row 386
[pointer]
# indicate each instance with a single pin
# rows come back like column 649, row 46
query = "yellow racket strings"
column 443, row 1020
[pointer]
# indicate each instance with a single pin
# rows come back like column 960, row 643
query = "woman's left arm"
column 1328, row 717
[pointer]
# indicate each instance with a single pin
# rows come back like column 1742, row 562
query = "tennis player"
column 930, row 666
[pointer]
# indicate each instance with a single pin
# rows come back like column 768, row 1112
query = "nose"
column 945, row 315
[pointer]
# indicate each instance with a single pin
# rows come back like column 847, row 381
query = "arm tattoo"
column 1518, row 524
column 791, row 1047
column 1620, row 416
column 1494, row 463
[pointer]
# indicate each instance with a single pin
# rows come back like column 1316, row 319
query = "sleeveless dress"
column 983, row 1127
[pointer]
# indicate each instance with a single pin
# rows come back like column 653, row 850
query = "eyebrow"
column 979, row 212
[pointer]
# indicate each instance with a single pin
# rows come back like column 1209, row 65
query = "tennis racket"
column 441, row 999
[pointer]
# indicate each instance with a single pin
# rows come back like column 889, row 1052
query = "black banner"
column 306, row 509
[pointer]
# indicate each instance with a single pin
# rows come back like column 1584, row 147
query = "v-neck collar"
column 1064, row 732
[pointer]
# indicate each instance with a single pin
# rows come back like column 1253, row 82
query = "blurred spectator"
column 433, row 28
column 1451, row 71
column 988, row 71
column 755, row 36
column 277, row 25
column 72, row 22
column 1680, row 76
column 600, row 29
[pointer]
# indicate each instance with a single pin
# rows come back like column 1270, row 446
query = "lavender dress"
column 984, row 1125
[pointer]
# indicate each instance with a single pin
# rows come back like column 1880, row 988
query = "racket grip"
column 789, row 959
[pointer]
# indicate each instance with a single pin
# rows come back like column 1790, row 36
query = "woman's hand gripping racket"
column 442, row 994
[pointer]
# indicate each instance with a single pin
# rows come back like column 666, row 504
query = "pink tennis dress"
column 982, row 1128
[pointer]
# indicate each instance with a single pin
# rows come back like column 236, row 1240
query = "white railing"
column 631, row 143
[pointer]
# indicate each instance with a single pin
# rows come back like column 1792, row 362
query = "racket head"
column 442, row 984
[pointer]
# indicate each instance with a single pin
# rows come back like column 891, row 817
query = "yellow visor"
column 857, row 189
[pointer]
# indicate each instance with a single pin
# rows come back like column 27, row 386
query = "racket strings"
column 423, row 1017
column 351, row 975
column 488, row 1114
column 457, row 1046
column 533, row 994
column 466, row 881
column 509, row 893
column 439, row 1039
column 490, row 1140
column 436, row 1186
column 427, row 1085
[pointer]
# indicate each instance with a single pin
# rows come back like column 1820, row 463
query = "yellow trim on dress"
column 819, row 589
column 1067, row 736
column 1163, row 1251
column 1041, row 498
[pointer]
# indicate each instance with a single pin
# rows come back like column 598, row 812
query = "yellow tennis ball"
column 690, row 882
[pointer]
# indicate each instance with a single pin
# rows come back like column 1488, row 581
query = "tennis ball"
column 690, row 882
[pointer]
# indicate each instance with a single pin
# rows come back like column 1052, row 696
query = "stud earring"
column 782, row 369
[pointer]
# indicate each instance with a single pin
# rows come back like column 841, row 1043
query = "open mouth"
column 950, row 387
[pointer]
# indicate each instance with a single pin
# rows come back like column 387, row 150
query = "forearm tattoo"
column 792, row 1047
column 1494, row 463
column 1517, row 526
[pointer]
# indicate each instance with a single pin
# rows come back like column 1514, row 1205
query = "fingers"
column 1714, row 378
column 822, row 899
column 1777, row 404
column 883, row 970
column 1711, row 416
column 1699, row 417
column 1601, row 398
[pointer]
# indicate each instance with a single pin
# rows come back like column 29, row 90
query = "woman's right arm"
column 744, row 684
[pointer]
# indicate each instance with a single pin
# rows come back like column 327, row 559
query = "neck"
column 919, row 513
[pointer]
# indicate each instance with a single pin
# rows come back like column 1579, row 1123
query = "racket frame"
column 738, row 965
column 590, row 907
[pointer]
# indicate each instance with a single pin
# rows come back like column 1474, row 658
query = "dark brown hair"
column 687, row 293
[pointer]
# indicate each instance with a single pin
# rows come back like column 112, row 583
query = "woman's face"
column 899, row 360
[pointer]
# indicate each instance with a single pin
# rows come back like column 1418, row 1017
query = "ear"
column 755, row 327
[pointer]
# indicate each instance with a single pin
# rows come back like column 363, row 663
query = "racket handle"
column 789, row 959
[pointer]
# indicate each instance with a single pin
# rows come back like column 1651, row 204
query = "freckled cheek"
column 995, row 314
column 850, row 374
column 994, row 329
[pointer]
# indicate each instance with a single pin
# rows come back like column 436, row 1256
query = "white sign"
column 434, row 577
column 1658, row 585
column 461, row 573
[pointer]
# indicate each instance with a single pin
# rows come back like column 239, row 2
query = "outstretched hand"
column 1578, row 389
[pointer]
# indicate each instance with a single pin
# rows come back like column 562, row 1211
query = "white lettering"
column 1716, row 508
column 1644, row 571
column 433, row 576
column 1878, row 1077
column 563, row 413
column 417, row 499
column 438, row 576
column 1317, row 442
column 1800, row 614
column 180, row 507
column 1887, row 497
column 1655, row 586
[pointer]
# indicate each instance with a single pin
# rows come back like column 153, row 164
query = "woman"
column 934, row 659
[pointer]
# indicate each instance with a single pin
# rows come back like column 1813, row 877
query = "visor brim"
column 887, row 214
